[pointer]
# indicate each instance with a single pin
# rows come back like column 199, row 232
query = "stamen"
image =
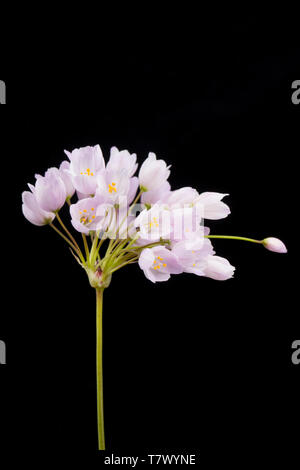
column 112, row 188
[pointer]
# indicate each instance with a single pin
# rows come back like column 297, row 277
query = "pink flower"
column 122, row 160
column 157, row 195
column 153, row 173
column 33, row 212
column 182, row 197
column 154, row 224
column 218, row 268
column 50, row 191
column 159, row 263
column 212, row 206
column 192, row 255
column 91, row 214
column 116, row 186
column 185, row 223
column 85, row 165
column 64, row 172
column 274, row 244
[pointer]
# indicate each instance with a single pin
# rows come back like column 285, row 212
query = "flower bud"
column 274, row 244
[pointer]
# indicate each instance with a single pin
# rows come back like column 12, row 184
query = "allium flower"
column 167, row 237
column 116, row 186
column 218, row 268
column 157, row 195
column 213, row 207
column 154, row 224
column 85, row 165
column 193, row 256
column 185, row 223
column 153, row 173
column 33, row 212
column 91, row 214
column 64, row 172
column 159, row 263
column 50, row 191
column 182, row 197
column 122, row 160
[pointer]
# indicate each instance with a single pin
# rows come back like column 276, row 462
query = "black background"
column 191, row 365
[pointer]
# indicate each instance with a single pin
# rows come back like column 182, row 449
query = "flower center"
column 154, row 223
column 88, row 172
column 112, row 188
column 157, row 263
column 86, row 217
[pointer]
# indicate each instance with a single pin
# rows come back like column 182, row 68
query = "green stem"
column 66, row 230
column 86, row 247
column 93, row 254
column 63, row 236
column 130, row 261
column 100, row 408
column 231, row 237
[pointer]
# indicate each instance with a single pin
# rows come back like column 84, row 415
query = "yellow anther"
column 111, row 187
column 92, row 174
column 92, row 209
column 81, row 173
column 84, row 210
column 90, row 220
column 164, row 265
column 194, row 265
column 161, row 259
column 94, row 217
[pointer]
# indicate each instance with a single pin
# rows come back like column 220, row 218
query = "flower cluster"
column 138, row 219
column 143, row 219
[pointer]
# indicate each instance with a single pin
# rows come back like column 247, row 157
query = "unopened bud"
column 274, row 244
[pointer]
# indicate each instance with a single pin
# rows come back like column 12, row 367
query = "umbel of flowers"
column 125, row 219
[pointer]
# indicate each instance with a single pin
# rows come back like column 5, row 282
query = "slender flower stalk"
column 67, row 231
column 63, row 236
column 232, row 237
column 86, row 247
column 99, row 347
